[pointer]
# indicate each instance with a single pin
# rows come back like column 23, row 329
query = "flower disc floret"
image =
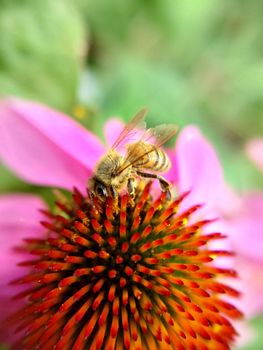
column 140, row 277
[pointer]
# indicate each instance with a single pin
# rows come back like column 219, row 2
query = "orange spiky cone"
column 138, row 279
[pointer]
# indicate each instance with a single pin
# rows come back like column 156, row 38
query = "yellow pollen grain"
column 80, row 112
column 216, row 328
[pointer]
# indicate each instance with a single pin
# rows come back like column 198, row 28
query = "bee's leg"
column 115, row 198
column 131, row 190
column 165, row 185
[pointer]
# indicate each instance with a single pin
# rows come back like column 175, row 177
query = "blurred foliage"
column 256, row 343
column 211, row 51
column 187, row 61
column 41, row 50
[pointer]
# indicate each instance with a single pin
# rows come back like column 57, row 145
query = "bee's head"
column 101, row 190
column 97, row 188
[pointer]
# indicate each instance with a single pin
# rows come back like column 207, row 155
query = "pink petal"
column 246, row 334
column 19, row 218
column 112, row 130
column 198, row 169
column 250, row 283
column 254, row 150
column 44, row 146
column 172, row 174
column 246, row 229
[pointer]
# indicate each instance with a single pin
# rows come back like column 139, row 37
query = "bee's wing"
column 131, row 129
column 157, row 136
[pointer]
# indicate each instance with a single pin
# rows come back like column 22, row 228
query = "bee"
column 143, row 158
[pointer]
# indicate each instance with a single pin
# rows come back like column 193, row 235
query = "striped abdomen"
column 147, row 156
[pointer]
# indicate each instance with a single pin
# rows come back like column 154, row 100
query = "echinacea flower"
column 140, row 278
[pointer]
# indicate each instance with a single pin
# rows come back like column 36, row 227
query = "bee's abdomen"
column 158, row 161
column 154, row 158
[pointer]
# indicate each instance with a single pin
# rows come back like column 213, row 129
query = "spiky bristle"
column 142, row 278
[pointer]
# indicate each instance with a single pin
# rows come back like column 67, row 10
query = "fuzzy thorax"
column 107, row 172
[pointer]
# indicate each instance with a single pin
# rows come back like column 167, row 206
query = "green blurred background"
column 188, row 61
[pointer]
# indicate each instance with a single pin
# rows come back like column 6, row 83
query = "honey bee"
column 144, row 158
